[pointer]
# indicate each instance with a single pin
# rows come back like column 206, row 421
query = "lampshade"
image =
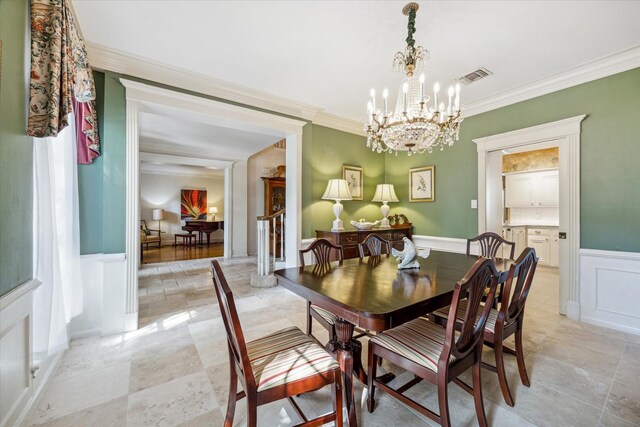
column 213, row 210
column 337, row 189
column 385, row 193
column 158, row 214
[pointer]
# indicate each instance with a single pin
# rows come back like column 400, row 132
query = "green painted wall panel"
column 90, row 181
column 330, row 150
column 610, row 149
column 16, row 151
column 114, row 158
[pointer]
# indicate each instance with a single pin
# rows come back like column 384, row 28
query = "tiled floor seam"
column 611, row 386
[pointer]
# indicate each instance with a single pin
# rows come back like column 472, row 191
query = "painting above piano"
column 193, row 204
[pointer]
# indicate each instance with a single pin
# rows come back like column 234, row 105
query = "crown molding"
column 625, row 60
column 107, row 59
column 340, row 123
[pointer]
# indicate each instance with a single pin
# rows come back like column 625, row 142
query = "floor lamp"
column 158, row 215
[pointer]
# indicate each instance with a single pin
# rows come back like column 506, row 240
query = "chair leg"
column 371, row 388
column 443, row 401
column 231, row 402
column 309, row 319
column 520, row 358
column 337, row 397
column 502, row 376
column 252, row 411
column 477, row 394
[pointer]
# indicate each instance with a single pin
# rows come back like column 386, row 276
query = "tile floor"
column 173, row 371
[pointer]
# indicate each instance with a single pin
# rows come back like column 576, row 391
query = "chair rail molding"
column 565, row 134
column 610, row 289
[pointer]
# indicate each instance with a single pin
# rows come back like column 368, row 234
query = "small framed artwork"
column 422, row 184
column 353, row 176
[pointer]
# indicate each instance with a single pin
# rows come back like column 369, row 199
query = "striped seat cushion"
column 462, row 309
column 326, row 315
column 419, row 340
column 286, row 356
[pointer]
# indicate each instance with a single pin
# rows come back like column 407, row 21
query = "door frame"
column 138, row 95
column 566, row 133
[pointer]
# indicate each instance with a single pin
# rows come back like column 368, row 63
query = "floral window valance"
column 61, row 79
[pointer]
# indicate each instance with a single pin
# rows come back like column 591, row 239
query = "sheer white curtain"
column 56, row 242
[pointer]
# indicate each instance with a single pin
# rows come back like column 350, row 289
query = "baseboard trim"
column 40, row 382
column 573, row 310
column 610, row 325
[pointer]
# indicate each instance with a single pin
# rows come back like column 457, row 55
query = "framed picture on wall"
column 422, row 184
column 353, row 176
column 193, row 204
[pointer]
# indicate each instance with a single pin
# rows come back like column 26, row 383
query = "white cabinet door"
column 549, row 189
column 519, row 191
column 541, row 245
column 520, row 237
column 532, row 189
column 554, row 250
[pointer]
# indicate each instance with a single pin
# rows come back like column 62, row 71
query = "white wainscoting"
column 445, row 244
column 104, row 296
column 16, row 330
column 610, row 289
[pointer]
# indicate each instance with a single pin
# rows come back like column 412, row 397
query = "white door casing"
column 139, row 94
column 566, row 133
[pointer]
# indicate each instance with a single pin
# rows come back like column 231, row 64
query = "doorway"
column 146, row 98
column 565, row 134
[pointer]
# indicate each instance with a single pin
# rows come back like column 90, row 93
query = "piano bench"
column 188, row 239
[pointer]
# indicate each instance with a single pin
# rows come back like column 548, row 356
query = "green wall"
column 102, row 184
column 610, row 194
column 16, row 151
column 331, row 149
column 610, row 177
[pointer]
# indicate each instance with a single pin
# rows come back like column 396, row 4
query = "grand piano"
column 203, row 227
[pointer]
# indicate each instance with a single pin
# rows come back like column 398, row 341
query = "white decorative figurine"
column 408, row 257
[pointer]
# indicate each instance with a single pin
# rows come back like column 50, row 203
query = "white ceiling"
column 330, row 53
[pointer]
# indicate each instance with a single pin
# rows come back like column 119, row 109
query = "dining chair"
column 323, row 251
column 490, row 244
column 506, row 321
column 280, row 365
column 439, row 354
column 375, row 244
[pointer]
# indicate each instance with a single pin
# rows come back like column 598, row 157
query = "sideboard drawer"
column 349, row 238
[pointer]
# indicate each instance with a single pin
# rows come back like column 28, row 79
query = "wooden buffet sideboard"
column 349, row 239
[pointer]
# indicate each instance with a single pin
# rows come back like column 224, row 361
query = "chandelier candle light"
column 385, row 193
column 338, row 190
column 416, row 125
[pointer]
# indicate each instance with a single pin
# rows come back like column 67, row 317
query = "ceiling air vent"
column 476, row 75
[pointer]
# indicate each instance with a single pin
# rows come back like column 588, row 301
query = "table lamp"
column 338, row 190
column 213, row 210
column 158, row 215
column 385, row 193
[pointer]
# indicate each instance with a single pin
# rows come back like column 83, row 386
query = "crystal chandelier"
column 416, row 125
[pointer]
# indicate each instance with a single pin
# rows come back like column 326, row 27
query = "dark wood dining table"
column 373, row 294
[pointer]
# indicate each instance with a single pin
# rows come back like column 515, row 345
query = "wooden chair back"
column 517, row 286
column 322, row 250
column 375, row 244
column 235, row 337
column 489, row 244
column 481, row 276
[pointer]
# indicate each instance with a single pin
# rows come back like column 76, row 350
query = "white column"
column 293, row 220
column 239, row 209
column 570, row 223
column 132, row 215
column 228, row 209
